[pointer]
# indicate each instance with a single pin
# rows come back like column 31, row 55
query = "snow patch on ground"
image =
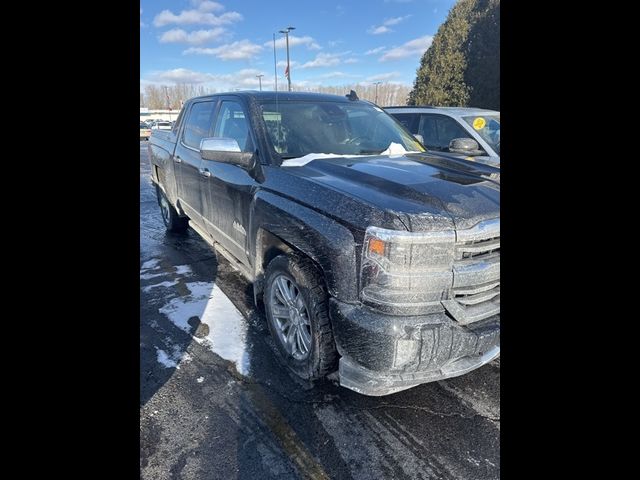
column 227, row 335
column 150, row 264
column 183, row 270
column 148, row 276
column 162, row 284
column 200, row 379
column 174, row 359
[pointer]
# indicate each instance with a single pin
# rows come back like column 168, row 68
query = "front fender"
column 329, row 244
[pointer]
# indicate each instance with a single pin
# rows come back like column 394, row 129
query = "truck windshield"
column 297, row 129
column 488, row 127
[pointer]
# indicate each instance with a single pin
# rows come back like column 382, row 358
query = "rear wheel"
column 296, row 305
column 172, row 221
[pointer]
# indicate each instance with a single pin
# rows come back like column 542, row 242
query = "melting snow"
column 394, row 149
column 162, row 284
column 300, row 161
column 227, row 335
column 174, row 359
column 150, row 264
column 183, row 270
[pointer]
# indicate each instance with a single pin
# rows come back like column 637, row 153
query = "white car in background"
column 472, row 133
column 162, row 126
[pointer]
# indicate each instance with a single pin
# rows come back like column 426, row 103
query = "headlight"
column 406, row 271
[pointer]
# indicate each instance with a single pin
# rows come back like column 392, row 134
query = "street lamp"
column 376, row 84
column 166, row 93
column 260, row 80
column 286, row 34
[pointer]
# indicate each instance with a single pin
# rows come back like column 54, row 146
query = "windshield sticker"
column 479, row 123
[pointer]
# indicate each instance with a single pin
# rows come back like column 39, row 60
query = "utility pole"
column 376, row 84
column 286, row 35
column 260, row 80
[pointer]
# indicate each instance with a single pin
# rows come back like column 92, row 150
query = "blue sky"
column 225, row 44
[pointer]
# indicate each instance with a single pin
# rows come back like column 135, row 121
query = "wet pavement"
column 215, row 402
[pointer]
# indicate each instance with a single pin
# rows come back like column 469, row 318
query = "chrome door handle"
column 177, row 159
column 205, row 173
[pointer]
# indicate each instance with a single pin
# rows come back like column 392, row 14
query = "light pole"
column 286, row 35
column 166, row 93
column 260, row 80
column 376, row 84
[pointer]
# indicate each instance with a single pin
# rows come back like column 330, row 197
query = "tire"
column 172, row 221
column 310, row 316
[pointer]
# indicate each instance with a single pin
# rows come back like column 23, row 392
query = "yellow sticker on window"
column 479, row 123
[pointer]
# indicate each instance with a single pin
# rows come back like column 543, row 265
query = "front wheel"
column 296, row 304
column 172, row 221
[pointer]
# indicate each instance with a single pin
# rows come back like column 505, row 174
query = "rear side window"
column 198, row 124
column 439, row 130
column 408, row 120
column 232, row 123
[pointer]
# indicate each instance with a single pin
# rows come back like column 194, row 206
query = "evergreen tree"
column 462, row 66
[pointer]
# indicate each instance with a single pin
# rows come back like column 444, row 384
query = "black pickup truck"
column 368, row 255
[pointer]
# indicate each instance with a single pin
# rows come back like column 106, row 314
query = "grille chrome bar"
column 476, row 273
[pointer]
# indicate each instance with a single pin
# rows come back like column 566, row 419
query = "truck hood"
column 419, row 188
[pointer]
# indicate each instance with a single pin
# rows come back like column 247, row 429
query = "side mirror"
column 419, row 138
column 225, row 150
column 465, row 146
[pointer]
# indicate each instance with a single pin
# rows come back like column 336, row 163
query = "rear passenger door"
column 227, row 189
column 187, row 159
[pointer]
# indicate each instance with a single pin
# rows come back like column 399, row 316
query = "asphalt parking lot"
column 215, row 403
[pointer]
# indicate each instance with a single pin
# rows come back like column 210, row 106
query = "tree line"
column 162, row 97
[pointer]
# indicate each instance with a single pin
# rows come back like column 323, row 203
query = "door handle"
column 205, row 172
column 177, row 159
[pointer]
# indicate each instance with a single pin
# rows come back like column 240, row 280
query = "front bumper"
column 383, row 354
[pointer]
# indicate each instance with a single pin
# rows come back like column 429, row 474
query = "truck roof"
column 282, row 96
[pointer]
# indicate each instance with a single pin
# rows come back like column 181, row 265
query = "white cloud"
column 240, row 50
column 384, row 28
column 245, row 78
column 351, row 60
column 383, row 76
column 182, row 75
column 323, row 60
column 201, row 15
column 379, row 30
column 373, row 51
column 177, row 35
column 207, row 6
column 294, row 41
column 395, row 20
column 415, row 47
column 335, row 75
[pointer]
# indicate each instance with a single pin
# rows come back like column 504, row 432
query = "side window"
column 198, row 124
column 232, row 123
column 409, row 120
column 439, row 130
column 427, row 129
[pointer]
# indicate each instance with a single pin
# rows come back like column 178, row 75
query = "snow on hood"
column 392, row 150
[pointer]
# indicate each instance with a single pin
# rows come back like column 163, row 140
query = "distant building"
column 151, row 114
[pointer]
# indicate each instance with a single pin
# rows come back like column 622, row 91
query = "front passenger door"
column 227, row 189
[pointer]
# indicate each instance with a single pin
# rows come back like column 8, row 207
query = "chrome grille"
column 476, row 273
